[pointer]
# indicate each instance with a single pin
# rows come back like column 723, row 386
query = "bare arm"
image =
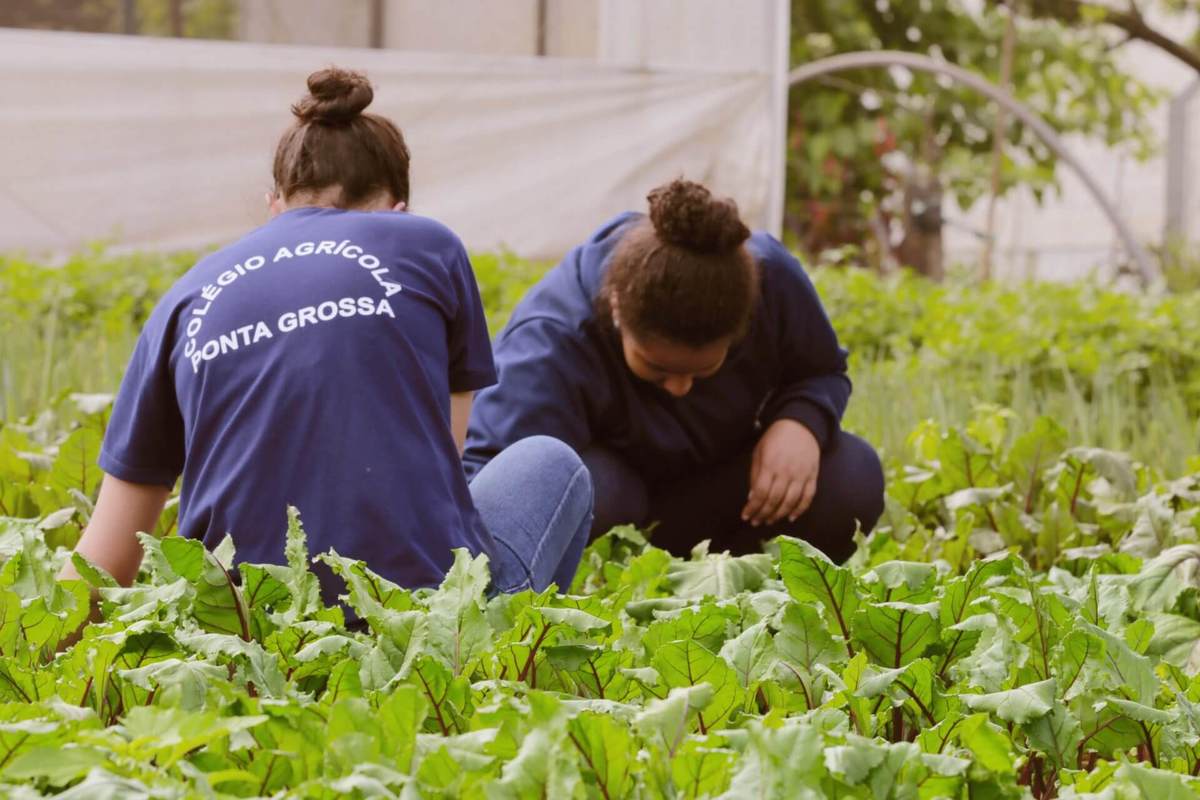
column 110, row 540
column 460, row 413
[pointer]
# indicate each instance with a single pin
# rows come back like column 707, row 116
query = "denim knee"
column 558, row 469
column 554, row 454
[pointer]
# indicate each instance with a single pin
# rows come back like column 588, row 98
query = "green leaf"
column 56, row 765
column 95, row 576
column 781, row 761
column 751, row 654
column 185, row 684
column 1018, row 705
column 1124, row 667
column 698, row 770
column 1158, row 586
column 895, row 633
column 100, row 784
column 1176, row 640
column 960, row 596
column 810, row 575
column 295, row 579
column 708, row 624
column 1031, row 453
column 989, row 744
column 1113, row 467
column 720, row 575
column 1158, row 784
column 854, row 761
column 575, row 619
column 803, row 641
column 372, row 596
column 218, row 605
column 608, row 753
column 1040, row 618
column 687, row 664
column 1077, row 660
column 666, row 723
column 258, row 666
column 456, row 629
column 167, row 735
column 75, row 465
column 911, row 576
column 1140, row 713
column 1057, row 734
column 400, row 717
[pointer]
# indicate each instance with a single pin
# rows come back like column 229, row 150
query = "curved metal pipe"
column 923, row 63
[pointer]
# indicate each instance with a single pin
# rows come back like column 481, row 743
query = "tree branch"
column 1131, row 21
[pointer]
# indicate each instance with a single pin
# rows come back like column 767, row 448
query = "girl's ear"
column 614, row 310
column 275, row 204
column 401, row 206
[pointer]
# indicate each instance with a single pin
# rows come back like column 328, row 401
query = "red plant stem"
column 237, row 605
column 533, row 653
column 1149, row 745
column 586, row 757
column 1078, row 486
column 437, row 707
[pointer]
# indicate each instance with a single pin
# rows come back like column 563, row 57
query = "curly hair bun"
column 335, row 96
column 686, row 215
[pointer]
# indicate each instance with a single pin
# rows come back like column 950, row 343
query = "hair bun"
column 686, row 214
column 335, row 96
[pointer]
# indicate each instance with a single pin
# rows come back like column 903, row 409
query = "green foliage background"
column 1023, row 623
column 843, row 128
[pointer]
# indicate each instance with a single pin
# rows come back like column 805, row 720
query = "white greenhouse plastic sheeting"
column 154, row 143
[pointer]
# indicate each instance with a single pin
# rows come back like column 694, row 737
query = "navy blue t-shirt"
column 563, row 372
column 311, row 364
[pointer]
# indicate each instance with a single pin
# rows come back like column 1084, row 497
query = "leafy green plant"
column 1023, row 623
column 805, row 678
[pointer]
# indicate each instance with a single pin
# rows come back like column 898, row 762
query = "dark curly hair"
column 683, row 273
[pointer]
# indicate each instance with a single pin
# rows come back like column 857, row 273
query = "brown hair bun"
column 335, row 96
column 684, row 274
column 686, row 215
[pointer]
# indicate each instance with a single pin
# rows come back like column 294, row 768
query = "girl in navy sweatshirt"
column 327, row 360
column 690, row 363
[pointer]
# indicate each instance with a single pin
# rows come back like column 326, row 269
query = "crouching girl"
column 692, row 366
column 328, row 360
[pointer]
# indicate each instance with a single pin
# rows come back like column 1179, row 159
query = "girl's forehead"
column 673, row 358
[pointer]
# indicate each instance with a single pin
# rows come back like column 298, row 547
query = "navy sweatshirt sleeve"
column 813, row 387
column 470, row 349
column 545, row 374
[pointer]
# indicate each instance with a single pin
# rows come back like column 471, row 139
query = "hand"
column 783, row 474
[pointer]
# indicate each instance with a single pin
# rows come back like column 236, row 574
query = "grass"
column 1116, row 371
column 1151, row 421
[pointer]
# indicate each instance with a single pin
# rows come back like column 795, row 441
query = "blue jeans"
column 708, row 504
column 535, row 498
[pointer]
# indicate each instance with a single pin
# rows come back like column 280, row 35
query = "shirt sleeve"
column 543, row 387
column 144, row 440
column 813, row 388
column 471, row 364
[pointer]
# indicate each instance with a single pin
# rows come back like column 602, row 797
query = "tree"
column 1131, row 20
column 873, row 152
column 202, row 19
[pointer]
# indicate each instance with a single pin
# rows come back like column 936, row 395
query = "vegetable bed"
column 937, row 663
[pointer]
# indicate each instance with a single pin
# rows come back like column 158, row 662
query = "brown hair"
column 332, row 143
column 683, row 274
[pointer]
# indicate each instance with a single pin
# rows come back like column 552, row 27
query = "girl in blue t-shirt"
column 692, row 366
column 327, row 360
